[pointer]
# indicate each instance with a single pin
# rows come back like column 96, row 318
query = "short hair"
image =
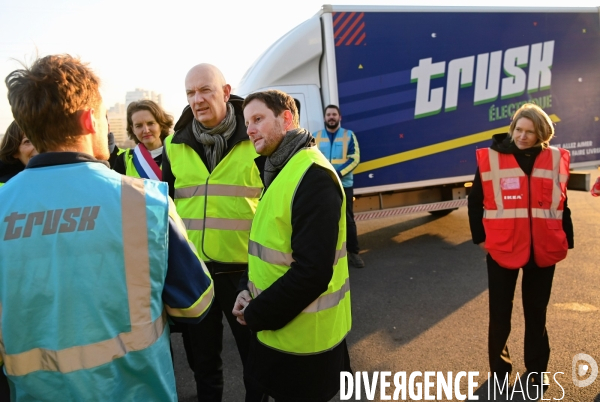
column 331, row 107
column 46, row 99
column 277, row 101
column 164, row 120
column 11, row 143
column 544, row 128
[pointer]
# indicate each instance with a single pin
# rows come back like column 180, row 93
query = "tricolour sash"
column 145, row 165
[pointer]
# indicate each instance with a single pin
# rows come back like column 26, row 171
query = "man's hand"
column 482, row 246
column 241, row 302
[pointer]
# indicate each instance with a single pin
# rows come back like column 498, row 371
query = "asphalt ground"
column 421, row 304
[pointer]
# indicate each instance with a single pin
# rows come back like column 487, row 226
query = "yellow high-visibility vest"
column 325, row 322
column 217, row 208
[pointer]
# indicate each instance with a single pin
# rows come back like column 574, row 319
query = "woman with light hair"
column 519, row 216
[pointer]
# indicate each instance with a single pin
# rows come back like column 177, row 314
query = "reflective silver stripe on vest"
column 269, row 255
column 542, row 173
column 339, row 254
column 556, row 190
column 217, row 189
column 502, row 173
column 217, row 223
column 275, row 257
column 86, row 356
column 553, row 175
column 549, row 174
column 506, row 213
column 329, row 300
column 495, row 169
column 546, row 213
column 323, row 302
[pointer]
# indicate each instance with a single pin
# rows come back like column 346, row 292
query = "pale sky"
column 151, row 45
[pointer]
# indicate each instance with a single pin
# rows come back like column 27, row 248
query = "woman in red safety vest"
column 518, row 214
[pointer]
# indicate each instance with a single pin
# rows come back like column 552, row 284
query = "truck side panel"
column 423, row 90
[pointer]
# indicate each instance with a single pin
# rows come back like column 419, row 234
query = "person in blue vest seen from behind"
column 91, row 262
column 340, row 147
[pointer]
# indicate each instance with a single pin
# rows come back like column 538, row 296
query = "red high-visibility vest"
column 520, row 209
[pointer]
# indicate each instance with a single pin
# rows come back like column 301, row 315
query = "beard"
column 332, row 125
column 272, row 141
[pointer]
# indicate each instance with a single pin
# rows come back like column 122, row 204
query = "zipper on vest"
column 204, row 212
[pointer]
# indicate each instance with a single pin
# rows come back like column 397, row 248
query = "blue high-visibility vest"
column 336, row 152
column 83, row 261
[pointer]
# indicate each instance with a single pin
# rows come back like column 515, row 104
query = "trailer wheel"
column 442, row 212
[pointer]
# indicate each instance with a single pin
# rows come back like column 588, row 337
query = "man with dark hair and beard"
column 209, row 165
column 340, row 147
column 297, row 297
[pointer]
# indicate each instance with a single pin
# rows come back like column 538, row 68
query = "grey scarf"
column 293, row 141
column 215, row 139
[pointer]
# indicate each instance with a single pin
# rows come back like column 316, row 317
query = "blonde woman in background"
column 519, row 216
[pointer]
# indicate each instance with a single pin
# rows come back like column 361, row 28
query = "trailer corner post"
column 328, row 39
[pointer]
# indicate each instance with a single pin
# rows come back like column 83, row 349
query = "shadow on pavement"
column 413, row 280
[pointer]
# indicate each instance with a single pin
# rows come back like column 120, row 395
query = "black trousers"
column 4, row 388
column 536, row 289
column 351, row 236
column 203, row 342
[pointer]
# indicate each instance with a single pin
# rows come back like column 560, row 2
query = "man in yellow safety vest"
column 214, row 181
column 297, row 301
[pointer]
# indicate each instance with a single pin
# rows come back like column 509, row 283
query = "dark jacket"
column 315, row 219
column 525, row 158
column 185, row 135
column 10, row 170
column 113, row 149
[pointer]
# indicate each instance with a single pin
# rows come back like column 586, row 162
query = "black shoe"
column 355, row 260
